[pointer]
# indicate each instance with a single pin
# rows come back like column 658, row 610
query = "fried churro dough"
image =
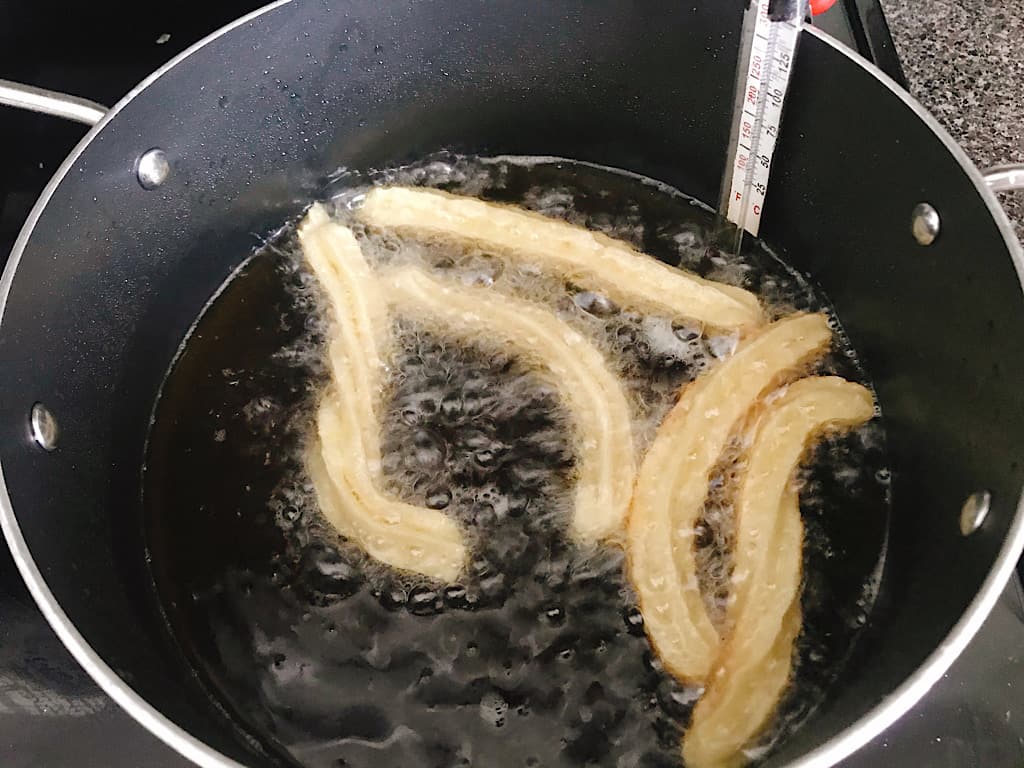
column 753, row 668
column 594, row 396
column 593, row 260
column 358, row 311
column 752, row 696
column 344, row 462
column 672, row 484
column 402, row 535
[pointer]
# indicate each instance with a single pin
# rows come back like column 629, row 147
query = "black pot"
column 108, row 274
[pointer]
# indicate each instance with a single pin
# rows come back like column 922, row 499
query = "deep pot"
column 109, row 273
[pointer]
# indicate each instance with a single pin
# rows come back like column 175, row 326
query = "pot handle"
column 50, row 103
column 1005, row 178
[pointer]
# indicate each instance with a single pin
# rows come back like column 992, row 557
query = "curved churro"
column 594, row 396
column 672, row 484
column 361, row 325
column 752, row 696
column 344, row 462
column 752, row 670
column 399, row 534
column 593, row 260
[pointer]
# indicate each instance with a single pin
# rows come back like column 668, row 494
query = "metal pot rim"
column 896, row 704
column 884, row 714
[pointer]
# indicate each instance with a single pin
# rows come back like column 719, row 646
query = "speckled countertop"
column 964, row 60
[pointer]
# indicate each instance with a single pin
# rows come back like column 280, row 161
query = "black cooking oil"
column 538, row 656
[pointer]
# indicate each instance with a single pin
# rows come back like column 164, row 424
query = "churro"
column 753, row 667
column 358, row 311
column 672, row 485
column 344, row 461
column 402, row 535
column 591, row 259
column 593, row 395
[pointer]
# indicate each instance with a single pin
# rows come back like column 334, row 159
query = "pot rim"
column 884, row 714
column 897, row 703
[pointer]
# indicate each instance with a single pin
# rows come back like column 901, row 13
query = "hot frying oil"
column 537, row 657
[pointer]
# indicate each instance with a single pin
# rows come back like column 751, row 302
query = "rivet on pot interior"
column 925, row 224
column 43, row 426
column 152, row 168
column 974, row 511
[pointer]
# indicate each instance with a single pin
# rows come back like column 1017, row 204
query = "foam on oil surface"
column 538, row 656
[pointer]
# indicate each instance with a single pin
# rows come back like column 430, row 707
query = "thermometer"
column 771, row 30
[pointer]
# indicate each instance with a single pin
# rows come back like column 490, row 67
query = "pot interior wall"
column 940, row 330
column 114, row 275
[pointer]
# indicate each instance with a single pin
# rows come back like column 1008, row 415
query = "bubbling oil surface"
column 537, row 657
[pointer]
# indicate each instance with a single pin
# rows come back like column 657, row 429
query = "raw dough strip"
column 594, row 396
column 672, row 485
column 344, row 463
column 593, row 260
column 753, row 668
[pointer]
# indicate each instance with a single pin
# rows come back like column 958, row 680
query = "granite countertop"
column 964, row 60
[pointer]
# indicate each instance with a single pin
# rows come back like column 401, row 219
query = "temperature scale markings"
column 767, row 77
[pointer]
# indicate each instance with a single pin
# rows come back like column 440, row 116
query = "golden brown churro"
column 752, row 696
column 753, row 667
column 594, row 396
column 672, row 484
column 345, row 461
column 593, row 260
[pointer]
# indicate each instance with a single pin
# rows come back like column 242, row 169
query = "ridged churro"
column 344, row 461
column 593, row 395
column 751, row 671
column 672, row 485
column 593, row 260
